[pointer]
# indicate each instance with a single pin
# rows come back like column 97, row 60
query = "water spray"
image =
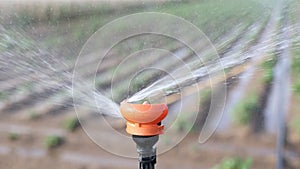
column 144, row 124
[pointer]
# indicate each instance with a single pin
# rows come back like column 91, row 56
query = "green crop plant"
column 79, row 34
column 269, row 64
column 242, row 112
column 208, row 14
column 3, row 95
column 296, row 124
column 52, row 18
column 137, row 84
column 205, row 95
column 13, row 136
column 32, row 115
column 183, row 122
column 94, row 23
column 296, row 62
column 268, row 69
column 24, row 18
column 65, row 11
column 296, row 71
column 296, row 87
column 72, row 123
column 268, row 76
column 53, row 141
column 29, row 86
column 54, row 41
column 234, row 163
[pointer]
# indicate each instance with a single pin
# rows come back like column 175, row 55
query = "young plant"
column 205, row 95
column 53, row 141
column 296, row 71
column 72, row 124
column 268, row 70
column 3, row 95
column 296, row 87
column 13, row 136
column 183, row 123
column 32, row 115
column 268, row 76
column 242, row 112
column 24, row 18
column 296, row 62
column 234, row 163
column 296, row 124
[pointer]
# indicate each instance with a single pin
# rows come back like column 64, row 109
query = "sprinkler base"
column 146, row 149
column 148, row 162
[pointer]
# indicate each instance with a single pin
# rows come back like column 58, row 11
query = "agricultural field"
column 253, row 45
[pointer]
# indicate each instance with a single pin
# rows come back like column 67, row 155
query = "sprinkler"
column 144, row 124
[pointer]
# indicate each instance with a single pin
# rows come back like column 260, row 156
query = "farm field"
column 258, row 47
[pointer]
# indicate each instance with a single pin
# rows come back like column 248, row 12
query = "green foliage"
column 296, row 124
column 79, row 34
column 50, row 15
column 137, row 84
column 65, row 11
column 227, row 70
column 209, row 16
column 53, row 141
column 24, row 18
column 72, row 123
column 234, row 163
column 183, row 122
column 269, row 64
column 296, row 71
column 32, row 115
column 82, row 33
column 94, row 23
column 54, row 41
column 3, row 95
column 296, row 62
column 268, row 76
column 242, row 112
column 268, row 70
column 13, row 136
column 205, row 95
column 296, row 87
column 27, row 87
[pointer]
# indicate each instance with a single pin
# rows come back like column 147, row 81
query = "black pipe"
column 147, row 162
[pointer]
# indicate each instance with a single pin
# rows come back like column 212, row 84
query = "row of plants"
column 234, row 163
column 295, row 72
column 251, row 35
column 52, row 141
column 148, row 77
column 55, row 13
column 252, row 104
column 208, row 14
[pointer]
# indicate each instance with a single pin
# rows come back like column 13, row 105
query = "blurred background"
column 257, row 42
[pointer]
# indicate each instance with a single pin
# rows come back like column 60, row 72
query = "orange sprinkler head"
column 144, row 119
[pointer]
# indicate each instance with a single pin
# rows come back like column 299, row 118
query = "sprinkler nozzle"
column 144, row 124
column 144, row 119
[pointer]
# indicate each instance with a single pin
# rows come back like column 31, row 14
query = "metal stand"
column 146, row 150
